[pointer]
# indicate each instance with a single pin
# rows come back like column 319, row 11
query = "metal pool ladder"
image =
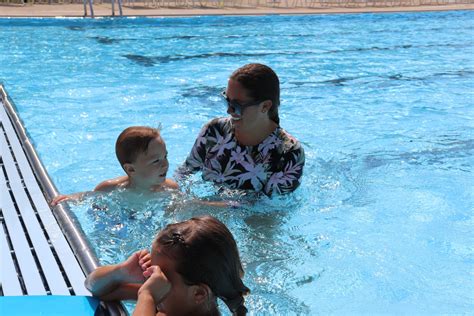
column 43, row 250
column 91, row 7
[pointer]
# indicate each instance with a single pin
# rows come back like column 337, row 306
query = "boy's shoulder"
column 170, row 184
column 111, row 184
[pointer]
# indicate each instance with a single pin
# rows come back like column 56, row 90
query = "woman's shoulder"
column 288, row 141
column 219, row 121
column 220, row 124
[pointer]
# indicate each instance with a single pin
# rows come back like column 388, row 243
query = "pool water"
column 382, row 103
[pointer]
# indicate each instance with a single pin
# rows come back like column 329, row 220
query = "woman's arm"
column 288, row 178
column 195, row 159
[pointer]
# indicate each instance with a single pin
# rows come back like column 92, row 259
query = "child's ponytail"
column 236, row 304
column 205, row 252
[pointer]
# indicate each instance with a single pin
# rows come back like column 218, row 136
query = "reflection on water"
column 121, row 222
column 382, row 104
column 330, row 227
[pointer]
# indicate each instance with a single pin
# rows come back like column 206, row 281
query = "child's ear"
column 267, row 105
column 201, row 293
column 128, row 167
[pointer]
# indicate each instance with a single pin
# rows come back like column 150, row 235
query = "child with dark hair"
column 191, row 264
column 142, row 154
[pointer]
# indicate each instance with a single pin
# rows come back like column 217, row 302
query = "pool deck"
column 43, row 250
column 36, row 254
column 102, row 10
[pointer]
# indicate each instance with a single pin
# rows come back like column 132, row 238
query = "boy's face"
column 150, row 167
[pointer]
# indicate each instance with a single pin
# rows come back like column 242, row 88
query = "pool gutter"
column 66, row 219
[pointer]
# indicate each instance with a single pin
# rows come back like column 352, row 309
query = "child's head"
column 201, row 260
column 142, row 154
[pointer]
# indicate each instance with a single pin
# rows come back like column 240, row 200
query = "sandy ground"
column 77, row 10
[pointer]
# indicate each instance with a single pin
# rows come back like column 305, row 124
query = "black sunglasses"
column 236, row 107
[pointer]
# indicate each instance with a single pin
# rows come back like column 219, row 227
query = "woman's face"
column 251, row 116
column 181, row 299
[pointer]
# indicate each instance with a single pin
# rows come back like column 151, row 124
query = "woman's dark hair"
column 205, row 252
column 262, row 84
column 132, row 141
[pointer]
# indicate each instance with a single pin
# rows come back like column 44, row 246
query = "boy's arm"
column 67, row 197
column 104, row 186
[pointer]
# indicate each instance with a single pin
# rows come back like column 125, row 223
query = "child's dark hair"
column 262, row 84
column 132, row 141
column 206, row 253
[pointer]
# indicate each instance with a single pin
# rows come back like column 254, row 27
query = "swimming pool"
column 383, row 104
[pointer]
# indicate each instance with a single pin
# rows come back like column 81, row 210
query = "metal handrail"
column 90, row 6
column 119, row 2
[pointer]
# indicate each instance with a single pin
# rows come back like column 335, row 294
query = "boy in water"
column 143, row 156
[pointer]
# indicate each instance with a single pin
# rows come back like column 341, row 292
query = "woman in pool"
column 248, row 149
column 191, row 264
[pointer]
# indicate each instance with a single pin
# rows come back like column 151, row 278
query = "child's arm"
column 104, row 186
column 66, row 197
column 151, row 292
column 119, row 281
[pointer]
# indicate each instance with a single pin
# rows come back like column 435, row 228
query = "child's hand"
column 67, row 197
column 157, row 284
column 60, row 198
column 134, row 267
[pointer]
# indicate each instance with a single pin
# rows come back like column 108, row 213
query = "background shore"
column 105, row 9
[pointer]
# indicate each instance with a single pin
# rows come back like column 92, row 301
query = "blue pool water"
column 383, row 104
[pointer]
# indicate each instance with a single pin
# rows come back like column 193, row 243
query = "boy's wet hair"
column 205, row 252
column 133, row 141
column 262, row 84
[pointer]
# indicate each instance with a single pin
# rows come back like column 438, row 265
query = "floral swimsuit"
column 275, row 165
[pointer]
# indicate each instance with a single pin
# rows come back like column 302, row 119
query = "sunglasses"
column 236, row 107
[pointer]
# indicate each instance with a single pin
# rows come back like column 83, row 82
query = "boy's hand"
column 60, row 198
column 67, row 197
column 133, row 268
column 157, row 284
